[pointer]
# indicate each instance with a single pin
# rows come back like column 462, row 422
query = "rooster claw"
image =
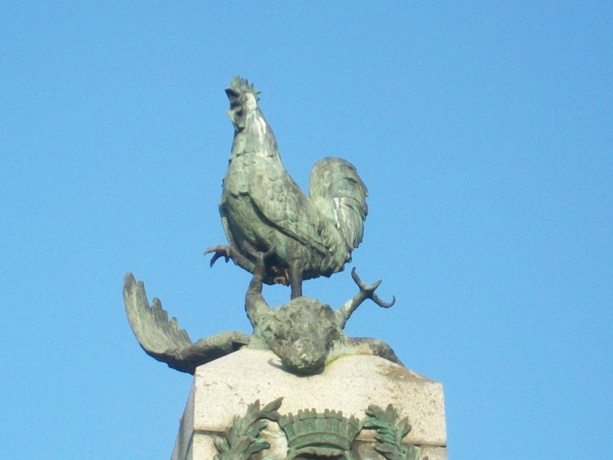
column 219, row 251
column 229, row 253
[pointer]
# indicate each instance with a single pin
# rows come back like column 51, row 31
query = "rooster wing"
column 282, row 205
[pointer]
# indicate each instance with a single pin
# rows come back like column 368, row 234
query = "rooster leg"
column 295, row 279
column 255, row 305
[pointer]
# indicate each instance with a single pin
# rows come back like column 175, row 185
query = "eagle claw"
column 369, row 290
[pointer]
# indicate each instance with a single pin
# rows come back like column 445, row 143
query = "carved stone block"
column 224, row 388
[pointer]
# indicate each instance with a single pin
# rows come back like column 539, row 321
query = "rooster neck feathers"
column 252, row 133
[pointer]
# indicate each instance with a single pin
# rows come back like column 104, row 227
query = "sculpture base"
column 222, row 390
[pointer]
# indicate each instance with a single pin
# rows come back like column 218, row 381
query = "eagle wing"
column 164, row 340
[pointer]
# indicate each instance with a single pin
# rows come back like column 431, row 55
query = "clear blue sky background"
column 482, row 129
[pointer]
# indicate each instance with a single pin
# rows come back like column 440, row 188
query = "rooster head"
column 243, row 99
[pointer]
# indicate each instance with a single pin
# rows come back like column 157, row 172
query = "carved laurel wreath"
column 315, row 435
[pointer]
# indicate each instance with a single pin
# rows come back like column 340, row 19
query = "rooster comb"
column 242, row 85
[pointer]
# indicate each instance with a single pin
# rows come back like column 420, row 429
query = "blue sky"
column 483, row 131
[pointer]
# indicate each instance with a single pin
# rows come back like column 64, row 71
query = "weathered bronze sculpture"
column 264, row 210
column 280, row 236
column 304, row 333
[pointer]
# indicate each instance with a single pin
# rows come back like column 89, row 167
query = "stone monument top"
column 297, row 387
column 281, row 236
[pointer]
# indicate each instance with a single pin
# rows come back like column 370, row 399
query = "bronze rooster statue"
column 264, row 211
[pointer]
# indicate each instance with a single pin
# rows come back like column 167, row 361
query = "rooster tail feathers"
column 339, row 193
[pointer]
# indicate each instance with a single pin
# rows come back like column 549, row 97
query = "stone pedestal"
column 225, row 387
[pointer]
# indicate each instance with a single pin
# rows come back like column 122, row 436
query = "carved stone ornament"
column 313, row 435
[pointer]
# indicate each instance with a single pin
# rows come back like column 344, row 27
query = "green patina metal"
column 315, row 435
column 242, row 440
column 304, row 333
column 390, row 433
column 280, row 235
column 263, row 210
